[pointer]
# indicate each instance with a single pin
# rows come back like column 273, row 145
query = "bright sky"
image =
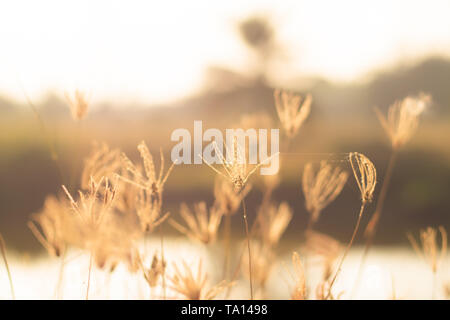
column 157, row 51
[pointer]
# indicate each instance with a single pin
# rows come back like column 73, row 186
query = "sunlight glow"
column 157, row 52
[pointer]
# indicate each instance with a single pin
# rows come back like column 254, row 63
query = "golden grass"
column 120, row 203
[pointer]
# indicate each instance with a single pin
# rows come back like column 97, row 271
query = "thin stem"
column 249, row 250
column 355, row 231
column 373, row 223
column 89, row 277
column 3, row 250
column 60, row 276
column 309, row 227
column 227, row 240
column 238, row 266
column 372, row 226
column 163, row 261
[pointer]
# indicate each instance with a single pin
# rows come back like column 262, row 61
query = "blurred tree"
column 258, row 34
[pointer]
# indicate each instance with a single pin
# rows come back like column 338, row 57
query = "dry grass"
column 120, row 204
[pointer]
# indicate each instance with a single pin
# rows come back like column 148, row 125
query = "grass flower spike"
column 321, row 187
column 403, row 118
column 291, row 110
column 202, row 225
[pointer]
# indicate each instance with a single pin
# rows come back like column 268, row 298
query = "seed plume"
column 149, row 198
column 202, row 224
column 365, row 175
column 273, row 222
column 194, row 287
column 429, row 248
column 291, row 110
column 154, row 272
column 321, row 187
column 53, row 220
column 235, row 165
column 101, row 162
column 403, row 118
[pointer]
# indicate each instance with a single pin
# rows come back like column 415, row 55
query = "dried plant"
column 228, row 201
column 202, row 225
column 149, row 198
column 78, row 104
column 429, row 249
column 114, row 241
column 147, row 180
column 400, row 124
column 273, row 222
column 237, row 173
column 54, row 222
column 155, row 272
column 93, row 205
column 366, row 178
column 92, row 209
column 226, row 197
column 101, row 162
column 235, row 165
column 365, row 175
column 321, row 187
column 402, row 118
column 299, row 291
column 292, row 111
column 149, row 211
column 194, row 287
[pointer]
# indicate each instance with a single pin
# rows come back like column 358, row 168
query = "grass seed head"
column 52, row 225
column 365, row 175
column 202, row 224
column 321, row 186
column 403, row 118
column 273, row 222
column 194, row 287
column 291, row 110
column 429, row 249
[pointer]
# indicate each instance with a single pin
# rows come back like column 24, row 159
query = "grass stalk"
column 355, row 231
column 227, row 243
column 163, row 276
column 5, row 260
column 247, row 233
column 372, row 226
column 89, row 277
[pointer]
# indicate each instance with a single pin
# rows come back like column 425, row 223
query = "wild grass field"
column 118, row 221
column 93, row 205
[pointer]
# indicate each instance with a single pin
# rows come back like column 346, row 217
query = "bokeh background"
column 150, row 68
